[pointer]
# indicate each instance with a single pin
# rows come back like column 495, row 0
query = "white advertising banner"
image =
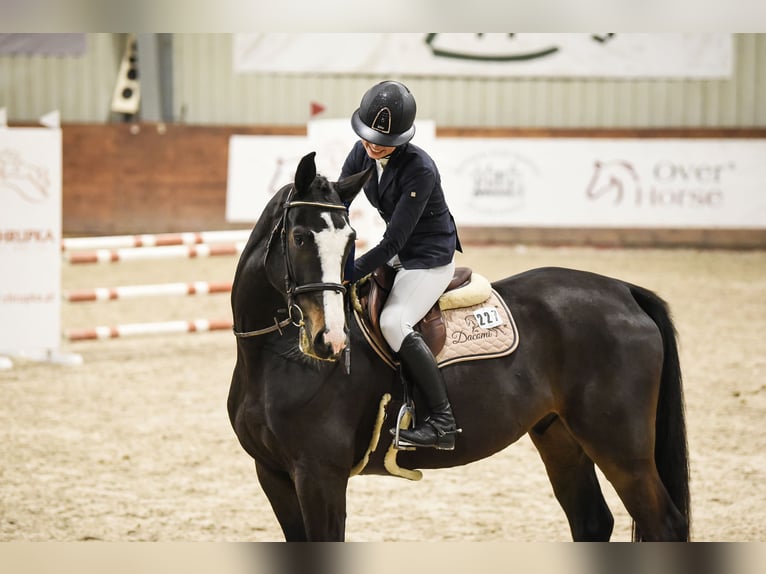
column 601, row 183
column 261, row 165
column 623, row 55
column 30, row 239
column 531, row 182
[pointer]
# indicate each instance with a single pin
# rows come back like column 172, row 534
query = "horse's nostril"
column 333, row 342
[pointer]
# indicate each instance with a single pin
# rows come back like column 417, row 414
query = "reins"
column 292, row 289
column 277, row 326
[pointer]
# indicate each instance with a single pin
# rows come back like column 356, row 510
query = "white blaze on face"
column 331, row 244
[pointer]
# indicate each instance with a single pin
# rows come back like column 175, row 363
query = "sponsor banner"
column 671, row 183
column 260, row 165
column 530, row 182
column 488, row 54
column 30, row 239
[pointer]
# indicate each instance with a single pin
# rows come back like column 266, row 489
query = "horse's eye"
column 299, row 239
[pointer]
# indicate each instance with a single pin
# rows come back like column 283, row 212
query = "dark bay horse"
column 595, row 380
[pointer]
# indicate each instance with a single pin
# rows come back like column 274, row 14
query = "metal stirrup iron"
column 408, row 407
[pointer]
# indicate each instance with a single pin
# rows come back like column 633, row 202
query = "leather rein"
column 292, row 289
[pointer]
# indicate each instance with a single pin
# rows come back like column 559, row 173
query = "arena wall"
column 157, row 178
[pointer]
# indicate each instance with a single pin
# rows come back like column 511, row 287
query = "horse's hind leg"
column 574, row 481
column 280, row 491
column 639, row 486
column 625, row 455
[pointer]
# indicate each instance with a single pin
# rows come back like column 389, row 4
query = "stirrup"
column 404, row 410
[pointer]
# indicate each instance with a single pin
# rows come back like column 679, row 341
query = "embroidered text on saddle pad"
column 482, row 331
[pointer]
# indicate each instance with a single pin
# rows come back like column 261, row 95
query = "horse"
column 594, row 381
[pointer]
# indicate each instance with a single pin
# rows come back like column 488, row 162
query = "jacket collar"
column 388, row 173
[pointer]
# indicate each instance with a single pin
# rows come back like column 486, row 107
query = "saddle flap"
column 431, row 327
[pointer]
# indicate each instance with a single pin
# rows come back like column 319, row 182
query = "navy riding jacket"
column 419, row 225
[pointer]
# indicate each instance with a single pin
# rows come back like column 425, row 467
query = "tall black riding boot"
column 438, row 429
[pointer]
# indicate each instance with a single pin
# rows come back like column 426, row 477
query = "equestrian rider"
column 419, row 243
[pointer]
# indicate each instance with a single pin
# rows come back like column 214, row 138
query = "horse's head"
column 316, row 239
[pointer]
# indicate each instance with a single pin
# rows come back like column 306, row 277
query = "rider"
column 419, row 243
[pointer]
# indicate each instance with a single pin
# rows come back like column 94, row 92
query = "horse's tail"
column 670, row 449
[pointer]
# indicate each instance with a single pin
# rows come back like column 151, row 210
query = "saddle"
column 372, row 293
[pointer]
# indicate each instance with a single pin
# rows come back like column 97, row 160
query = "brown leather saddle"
column 372, row 295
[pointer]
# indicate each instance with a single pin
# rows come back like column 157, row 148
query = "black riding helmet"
column 386, row 114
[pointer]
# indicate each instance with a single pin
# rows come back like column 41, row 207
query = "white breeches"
column 413, row 294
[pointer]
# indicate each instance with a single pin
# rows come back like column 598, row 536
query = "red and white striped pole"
column 154, row 240
column 158, row 328
column 156, row 290
column 142, row 253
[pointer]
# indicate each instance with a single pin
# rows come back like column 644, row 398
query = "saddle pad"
column 482, row 331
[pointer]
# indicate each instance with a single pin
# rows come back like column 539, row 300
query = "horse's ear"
column 349, row 186
column 305, row 174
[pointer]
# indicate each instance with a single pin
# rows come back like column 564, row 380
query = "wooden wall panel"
column 146, row 178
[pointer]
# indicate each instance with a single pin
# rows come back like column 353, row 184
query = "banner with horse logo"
column 538, row 182
column 607, row 183
column 30, row 238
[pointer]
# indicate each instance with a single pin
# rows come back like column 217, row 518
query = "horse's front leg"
column 321, row 492
column 281, row 492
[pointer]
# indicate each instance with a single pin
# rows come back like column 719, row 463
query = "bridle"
column 292, row 289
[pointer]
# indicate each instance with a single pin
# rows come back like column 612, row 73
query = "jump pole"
column 158, row 328
column 156, row 290
column 153, row 240
column 164, row 252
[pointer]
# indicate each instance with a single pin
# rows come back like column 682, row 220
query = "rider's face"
column 377, row 151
